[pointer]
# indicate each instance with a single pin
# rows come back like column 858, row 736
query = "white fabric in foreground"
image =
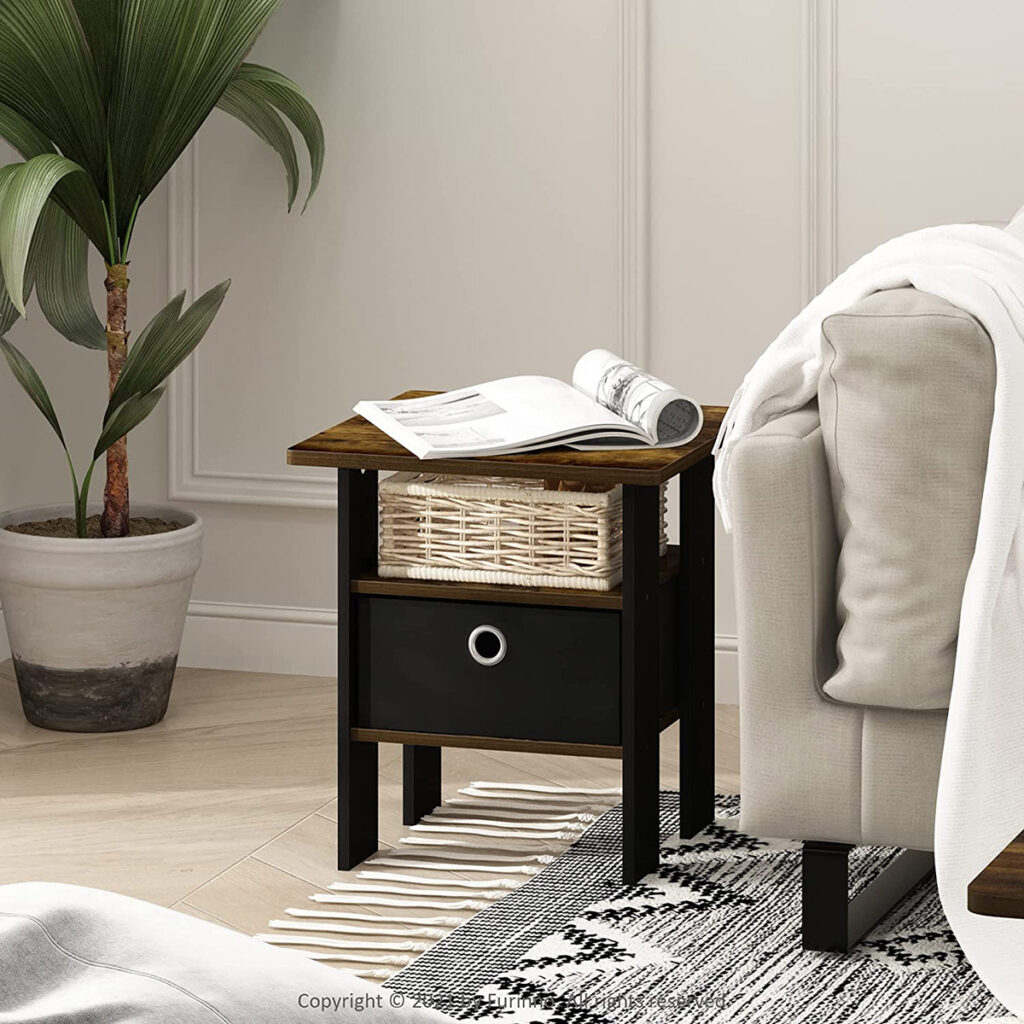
column 70, row 955
column 981, row 788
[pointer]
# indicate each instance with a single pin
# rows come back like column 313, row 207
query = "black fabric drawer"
column 558, row 680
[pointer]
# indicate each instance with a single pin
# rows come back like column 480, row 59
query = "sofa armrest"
column 800, row 772
column 786, row 545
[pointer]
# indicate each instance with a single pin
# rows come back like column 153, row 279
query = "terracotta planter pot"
column 95, row 625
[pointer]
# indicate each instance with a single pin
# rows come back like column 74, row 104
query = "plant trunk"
column 115, row 519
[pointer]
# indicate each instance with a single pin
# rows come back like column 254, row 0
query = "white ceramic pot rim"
column 151, row 542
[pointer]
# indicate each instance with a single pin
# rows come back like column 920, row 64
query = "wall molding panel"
column 634, row 241
column 188, row 478
column 818, row 146
column 191, row 479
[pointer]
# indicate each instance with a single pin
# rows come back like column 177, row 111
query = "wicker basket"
column 498, row 530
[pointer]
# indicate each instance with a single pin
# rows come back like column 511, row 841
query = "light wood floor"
column 226, row 809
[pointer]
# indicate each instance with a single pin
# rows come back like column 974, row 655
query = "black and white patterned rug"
column 712, row 938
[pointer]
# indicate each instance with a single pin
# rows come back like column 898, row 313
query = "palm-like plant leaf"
column 21, row 205
column 173, row 62
column 101, row 22
column 215, row 49
column 57, row 265
column 241, row 100
column 167, row 317
column 76, row 194
column 27, row 377
column 291, row 101
column 47, row 75
column 22, row 134
column 145, row 61
column 62, row 284
column 9, row 313
column 164, row 344
column 77, row 197
column 126, row 417
column 120, row 87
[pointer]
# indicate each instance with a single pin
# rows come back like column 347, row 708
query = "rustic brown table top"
column 999, row 890
column 358, row 444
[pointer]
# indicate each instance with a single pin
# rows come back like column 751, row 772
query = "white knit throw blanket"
column 981, row 788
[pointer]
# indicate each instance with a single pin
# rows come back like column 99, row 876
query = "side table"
column 596, row 673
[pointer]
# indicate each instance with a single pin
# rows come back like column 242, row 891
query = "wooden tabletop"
column 999, row 890
column 358, row 444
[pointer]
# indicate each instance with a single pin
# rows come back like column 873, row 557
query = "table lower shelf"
column 500, row 593
column 434, row 739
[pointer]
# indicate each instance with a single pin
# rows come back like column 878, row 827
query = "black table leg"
column 641, row 520
column 357, row 762
column 421, row 782
column 695, row 664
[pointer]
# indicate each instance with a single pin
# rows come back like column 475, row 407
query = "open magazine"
column 610, row 404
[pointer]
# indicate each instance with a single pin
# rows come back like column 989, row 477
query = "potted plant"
column 100, row 97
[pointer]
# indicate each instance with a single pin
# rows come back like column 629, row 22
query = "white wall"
column 725, row 208
column 484, row 210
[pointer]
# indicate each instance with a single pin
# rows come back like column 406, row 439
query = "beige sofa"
column 854, row 524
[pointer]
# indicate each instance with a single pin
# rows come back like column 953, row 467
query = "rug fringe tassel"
column 345, row 915
column 513, row 813
column 463, row 883
column 441, row 817
column 469, row 794
column 614, row 791
column 378, row 974
column 355, row 958
column 493, row 802
column 317, row 940
column 357, row 900
column 525, row 827
column 425, row 844
column 469, row 852
column 457, row 865
column 397, row 890
column 492, row 833
column 350, row 929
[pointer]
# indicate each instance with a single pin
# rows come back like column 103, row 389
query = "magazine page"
column 666, row 417
column 514, row 414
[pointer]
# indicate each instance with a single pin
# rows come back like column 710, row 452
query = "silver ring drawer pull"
column 487, row 645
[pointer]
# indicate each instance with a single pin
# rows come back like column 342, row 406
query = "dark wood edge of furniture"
column 356, row 444
column 505, row 593
column 430, row 739
column 998, row 891
column 496, row 466
column 436, row 739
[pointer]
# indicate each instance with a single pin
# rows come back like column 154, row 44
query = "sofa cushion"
column 906, row 396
